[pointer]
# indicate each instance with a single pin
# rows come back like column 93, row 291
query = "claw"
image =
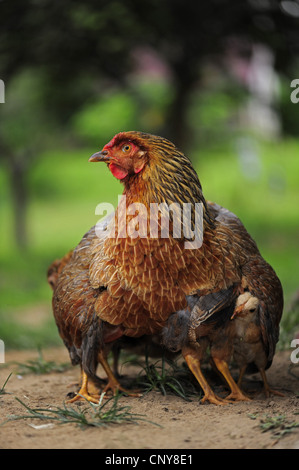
column 113, row 383
column 194, row 365
column 83, row 393
column 270, row 391
column 267, row 388
column 238, row 396
column 81, row 396
column 214, row 399
column 115, row 386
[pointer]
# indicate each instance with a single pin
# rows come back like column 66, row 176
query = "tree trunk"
column 19, row 192
column 177, row 122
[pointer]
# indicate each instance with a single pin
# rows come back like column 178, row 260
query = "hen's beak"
column 100, row 157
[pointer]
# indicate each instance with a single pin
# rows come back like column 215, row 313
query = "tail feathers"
column 91, row 345
column 252, row 368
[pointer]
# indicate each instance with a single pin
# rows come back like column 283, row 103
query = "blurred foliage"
column 80, row 47
column 24, row 120
column 25, row 128
column 105, row 117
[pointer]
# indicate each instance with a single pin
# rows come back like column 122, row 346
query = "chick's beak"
column 100, row 157
column 237, row 311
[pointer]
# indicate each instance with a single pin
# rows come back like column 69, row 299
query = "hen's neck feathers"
column 169, row 176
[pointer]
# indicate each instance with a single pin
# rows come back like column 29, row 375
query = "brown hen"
column 132, row 279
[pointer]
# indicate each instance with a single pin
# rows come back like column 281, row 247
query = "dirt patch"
column 182, row 424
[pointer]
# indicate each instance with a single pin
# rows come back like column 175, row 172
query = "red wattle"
column 118, row 171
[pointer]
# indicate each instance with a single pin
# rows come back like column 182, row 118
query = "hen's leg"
column 194, row 365
column 83, row 392
column 113, row 383
column 236, row 393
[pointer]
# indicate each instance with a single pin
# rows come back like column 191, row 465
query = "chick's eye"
column 126, row 148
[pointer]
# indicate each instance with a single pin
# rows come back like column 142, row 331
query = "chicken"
column 132, row 276
column 246, row 325
column 248, row 346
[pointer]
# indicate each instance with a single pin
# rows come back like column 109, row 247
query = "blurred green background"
column 215, row 78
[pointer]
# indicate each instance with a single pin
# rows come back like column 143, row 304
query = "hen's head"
column 126, row 155
column 136, row 153
column 153, row 167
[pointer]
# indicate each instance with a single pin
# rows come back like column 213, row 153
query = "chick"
column 248, row 346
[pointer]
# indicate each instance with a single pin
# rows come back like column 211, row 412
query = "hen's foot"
column 237, row 396
column 193, row 363
column 236, row 393
column 214, row 399
column 113, row 384
column 83, row 393
column 115, row 387
column 82, row 396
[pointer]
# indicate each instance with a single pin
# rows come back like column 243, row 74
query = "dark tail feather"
column 252, row 369
column 91, row 345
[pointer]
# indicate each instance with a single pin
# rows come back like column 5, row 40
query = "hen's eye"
column 126, row 148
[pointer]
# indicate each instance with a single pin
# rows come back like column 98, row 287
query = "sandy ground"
column 182, row 424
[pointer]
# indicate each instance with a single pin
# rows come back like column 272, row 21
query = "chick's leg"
column 194, row 365
column 113, row 383
column 236, row 393
column 267, row 389
column 241, row 375
column 83, row 392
